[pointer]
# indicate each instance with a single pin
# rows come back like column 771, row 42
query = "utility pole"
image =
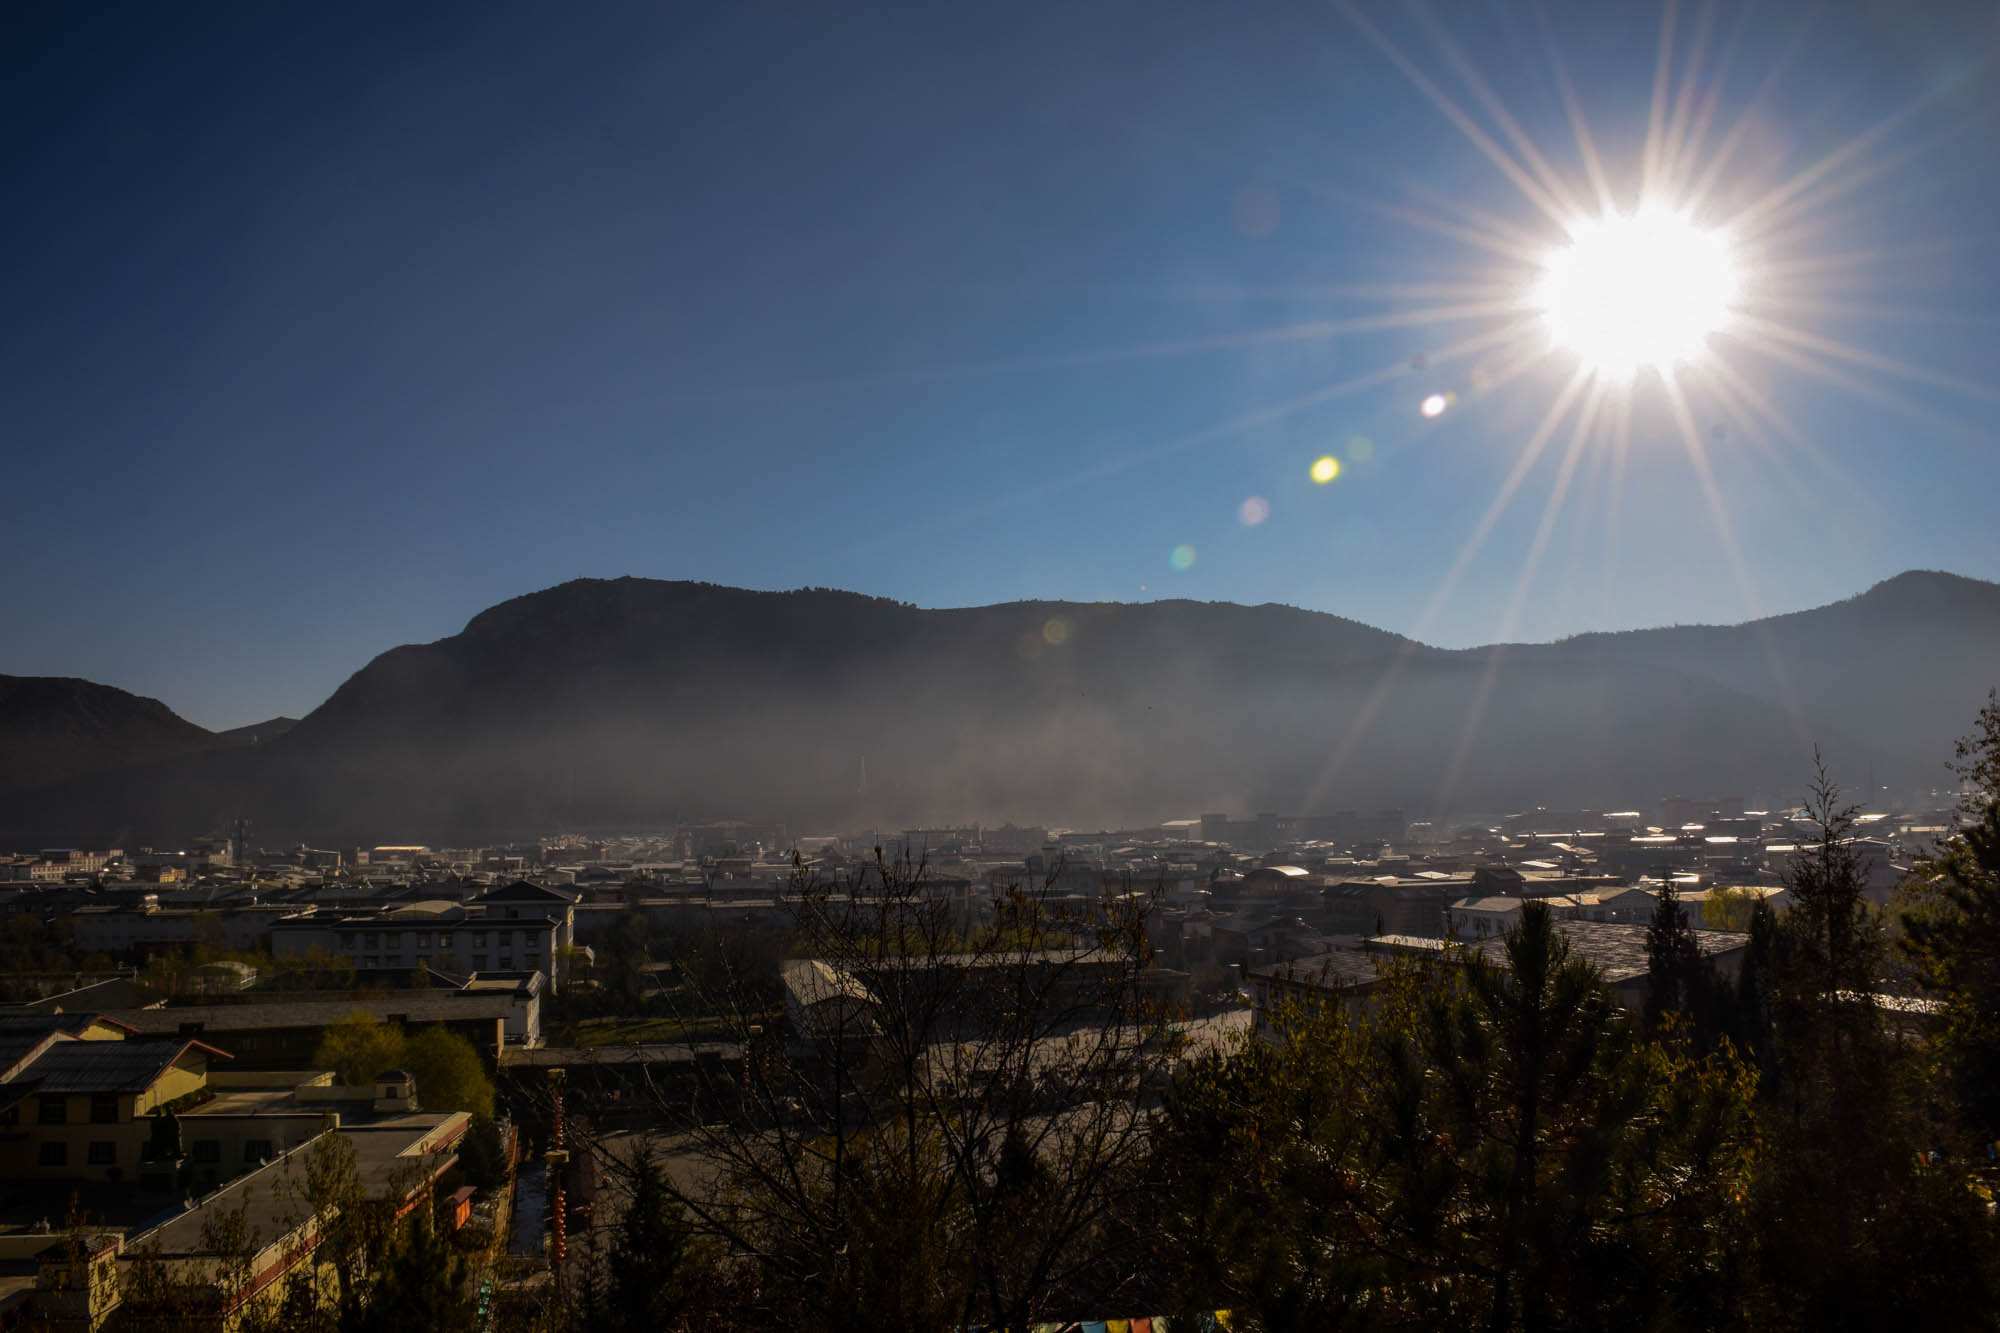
column 557, row 1160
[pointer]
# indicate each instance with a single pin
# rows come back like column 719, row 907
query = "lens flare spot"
column 1434, row 406
column 1253, row 511
column 1181, row 557
column 1360, row 448
column 1325, row 468
column 1055, row 630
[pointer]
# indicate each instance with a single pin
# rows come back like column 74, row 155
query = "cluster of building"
column 157, row 1132
column 207, row 1100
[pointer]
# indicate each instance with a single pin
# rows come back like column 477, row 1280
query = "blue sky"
column 326, row 330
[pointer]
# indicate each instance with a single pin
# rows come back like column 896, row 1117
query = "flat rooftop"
column 270, row 1195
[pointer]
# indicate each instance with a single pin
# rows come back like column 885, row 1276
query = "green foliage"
column 450, row 1075
column 1857, row 1215
column 420, row 1287
column 1729, row 909
column 1491, row 1143
column 482, row 1154
column 1675, row 977
column 651, row 1273
column 359, row 1047
column 1953, row 933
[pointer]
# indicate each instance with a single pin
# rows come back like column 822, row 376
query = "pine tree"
column 647, row 1254
column 1492, row 1142
column 1675, row 980
column 1953, row 932
column 1853, row 1224
column 420, row 1288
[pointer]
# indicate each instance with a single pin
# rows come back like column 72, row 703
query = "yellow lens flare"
column 1646, row 290
column 1325, row 468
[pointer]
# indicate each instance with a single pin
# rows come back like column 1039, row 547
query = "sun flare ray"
column 1478, row 138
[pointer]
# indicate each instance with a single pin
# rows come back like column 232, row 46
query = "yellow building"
column 81, row 1109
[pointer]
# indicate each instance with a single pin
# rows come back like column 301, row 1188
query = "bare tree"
column 951, row 1127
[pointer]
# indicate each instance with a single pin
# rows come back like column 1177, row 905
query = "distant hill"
column 631, row 701
column 1887, row 680
column 54, row 727
column 257, row 733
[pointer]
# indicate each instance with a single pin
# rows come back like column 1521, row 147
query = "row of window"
column 104, row 1152
column 55, row 1109
column 372, row 939
column 479, row 961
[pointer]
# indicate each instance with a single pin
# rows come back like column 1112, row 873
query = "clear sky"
column 326, row 327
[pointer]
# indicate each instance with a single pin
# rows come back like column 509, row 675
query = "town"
column 170, row 1012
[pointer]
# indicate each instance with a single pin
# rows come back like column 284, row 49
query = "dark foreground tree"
column 1953, row 933
column 648, row 1271
column 1491, row 1143
column 1858, row 1216
column 954, row 1131
column 1677, row 982
column 419, row 1288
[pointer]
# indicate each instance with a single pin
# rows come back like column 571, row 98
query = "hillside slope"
column 630, row 701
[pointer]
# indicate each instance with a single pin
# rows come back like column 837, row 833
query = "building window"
column 479, row 962
column 55, row 1110
column 513, row 914
column 372, row 960
column 54, row 1153
column 103, row 1152
column 347, row 939
column 423, row 939
column 256, row 1150
column 208, row 1150
column 479, row 939
column 103, row 1108
column 370, row 940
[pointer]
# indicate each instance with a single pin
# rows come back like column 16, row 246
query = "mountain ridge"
column 644, row 701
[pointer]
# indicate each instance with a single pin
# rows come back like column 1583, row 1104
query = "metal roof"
column 105, row 1066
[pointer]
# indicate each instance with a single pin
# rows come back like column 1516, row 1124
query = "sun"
column 1645, row 290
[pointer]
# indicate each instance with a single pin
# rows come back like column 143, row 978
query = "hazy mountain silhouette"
column 257, row 733
column 58, row 727
column 629, row 701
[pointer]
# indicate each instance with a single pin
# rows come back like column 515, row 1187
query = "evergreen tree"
column 647, row 1254
column 1953, row 932
column 1853, row 1222
column 1493, row 1143
column 420, row 1288
column 1676, row 981
column 1750, row 1024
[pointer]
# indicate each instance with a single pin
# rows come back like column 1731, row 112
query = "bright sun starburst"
column 1646, row 290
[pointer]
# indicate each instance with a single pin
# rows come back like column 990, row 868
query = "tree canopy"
column 449, row 1073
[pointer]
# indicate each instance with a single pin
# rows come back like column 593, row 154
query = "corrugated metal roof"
column 102, row 1066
